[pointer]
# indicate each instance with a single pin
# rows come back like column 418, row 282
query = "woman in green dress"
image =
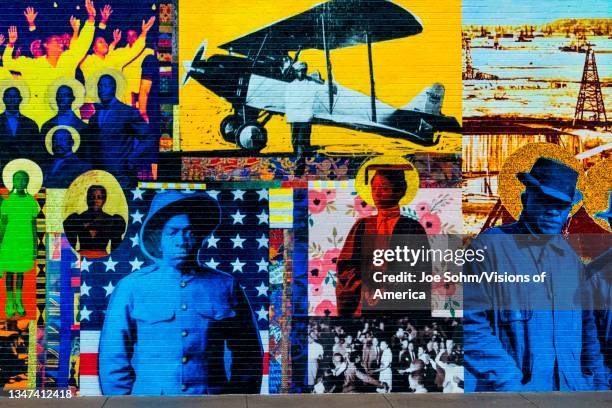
column 18, row 241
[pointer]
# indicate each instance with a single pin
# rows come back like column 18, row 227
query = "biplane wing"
column 330, row 25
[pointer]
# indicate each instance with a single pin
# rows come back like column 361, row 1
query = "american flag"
column 239, row 246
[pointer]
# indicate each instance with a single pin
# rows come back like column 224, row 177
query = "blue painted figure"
column 535, row 344
column 169, row 327
column 118, row 135
column 599, row 272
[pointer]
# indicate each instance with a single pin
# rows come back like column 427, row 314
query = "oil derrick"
column 468, row 69
column 469, row 72
column 590, row 98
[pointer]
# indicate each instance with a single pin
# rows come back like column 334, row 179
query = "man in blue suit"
column 170, row 327
column 64, row 98
column 532, row 336
column 19, row 135
column 120, row 137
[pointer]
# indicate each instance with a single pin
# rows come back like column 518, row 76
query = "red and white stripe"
column 89, row 379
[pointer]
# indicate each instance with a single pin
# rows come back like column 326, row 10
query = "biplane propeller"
column 256, row 70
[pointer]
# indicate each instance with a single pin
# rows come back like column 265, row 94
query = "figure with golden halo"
column 93, row 230
column 388, row 187
column 64, row 99
column 64, row 165
column 18, row 240
column 119, row 134
column 18, row 133
column 532, row 336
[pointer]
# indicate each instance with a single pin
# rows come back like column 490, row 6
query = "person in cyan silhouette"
column 190, row 329
column 92, row 231
column 532, row 337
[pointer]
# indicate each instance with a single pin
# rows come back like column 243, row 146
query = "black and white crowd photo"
column 395, row 353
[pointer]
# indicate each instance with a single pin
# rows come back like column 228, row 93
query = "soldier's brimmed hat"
column 606, row 215
column 553, row 178
column 203, row 211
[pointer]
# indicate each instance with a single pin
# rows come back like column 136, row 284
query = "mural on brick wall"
column 192, row 193
column 536, row 143
column 325, row 79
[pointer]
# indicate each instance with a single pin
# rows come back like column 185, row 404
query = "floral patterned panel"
column 333, row 209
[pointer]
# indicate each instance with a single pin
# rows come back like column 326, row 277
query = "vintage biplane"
column 256, row 70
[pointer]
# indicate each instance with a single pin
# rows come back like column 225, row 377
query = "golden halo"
column 597, row 192
column 75, row 136
column 20, row 84
column 92, row 83
column 33, row 170
column 75, row 200
column 78, row 90
column 365, row 191
column 522, row 160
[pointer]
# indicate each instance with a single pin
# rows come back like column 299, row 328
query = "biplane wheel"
column 229, row 127
column 252, row 136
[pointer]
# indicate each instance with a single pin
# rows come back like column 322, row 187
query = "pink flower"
column 330, row 259
column 431, row 222
column 317, row 201
column 316, row 290
column 444, row 288
column 422, row 208
column 330, row 194
column 362, row 208
column 326, row 308
column 316, row 274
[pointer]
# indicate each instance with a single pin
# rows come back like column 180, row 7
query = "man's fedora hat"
column 554, row 179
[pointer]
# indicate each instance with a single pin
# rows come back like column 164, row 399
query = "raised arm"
column 75, row 23
column 18, row 64
column 30, row 15
column 123, row 56
column 80, row 46
column 116, row 38
column 105, row 14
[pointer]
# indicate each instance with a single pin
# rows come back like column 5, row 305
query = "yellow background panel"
column 402, row 69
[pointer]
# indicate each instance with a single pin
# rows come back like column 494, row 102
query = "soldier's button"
column 183, row 284
column 184, row 333
column 183, row 387
column 184, row 306
column 184, row 359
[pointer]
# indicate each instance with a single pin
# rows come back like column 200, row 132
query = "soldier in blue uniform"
column 177, row 327
column 532, row 337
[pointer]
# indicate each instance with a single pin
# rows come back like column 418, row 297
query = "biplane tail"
column 428, row 101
